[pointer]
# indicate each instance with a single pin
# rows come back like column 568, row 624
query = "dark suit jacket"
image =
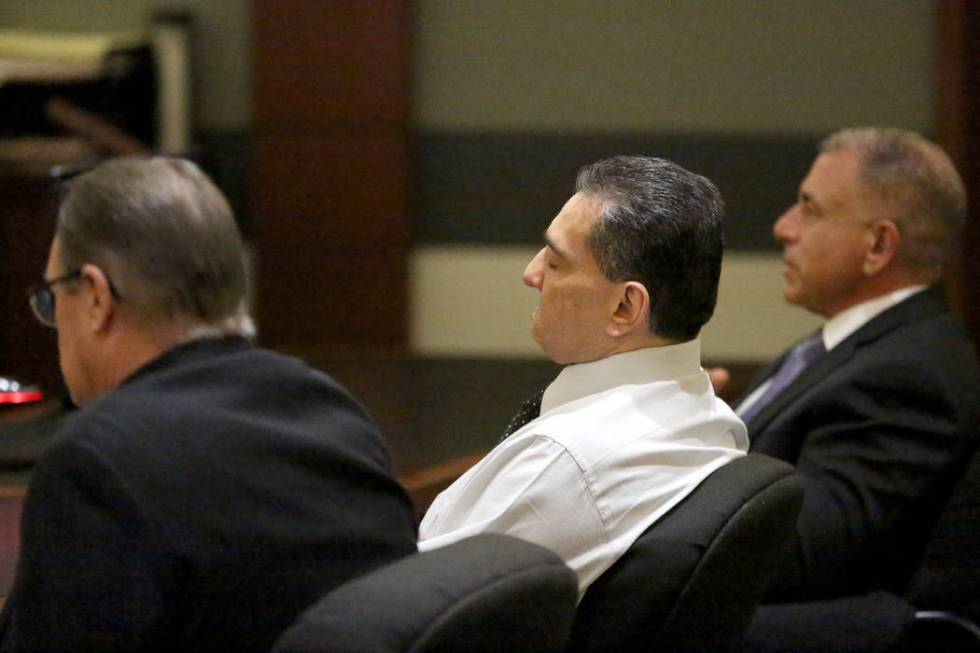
column 879, row 429
column 202, row 506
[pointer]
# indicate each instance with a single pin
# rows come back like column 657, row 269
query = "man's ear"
column 101, row 302
column 633, row 310
column 884, row 239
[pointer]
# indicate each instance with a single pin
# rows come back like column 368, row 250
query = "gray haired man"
column 882, row 419
column 207, row 491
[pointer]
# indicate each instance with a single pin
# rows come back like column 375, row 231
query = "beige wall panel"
column 686, row 65
column 615, row 66
column 752, row 323
column 471, row 302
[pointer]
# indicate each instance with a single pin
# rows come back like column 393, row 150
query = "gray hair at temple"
column 918, row 185
column 661, row 225
column 167, row 239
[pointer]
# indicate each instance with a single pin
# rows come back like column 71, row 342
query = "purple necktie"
column 805, row 352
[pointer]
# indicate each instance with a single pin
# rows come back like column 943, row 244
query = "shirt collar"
column 848, row 321
column 630, row 368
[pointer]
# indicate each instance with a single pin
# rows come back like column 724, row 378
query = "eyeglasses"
column 41, row 298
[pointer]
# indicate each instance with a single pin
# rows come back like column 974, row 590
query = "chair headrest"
column 486, row 593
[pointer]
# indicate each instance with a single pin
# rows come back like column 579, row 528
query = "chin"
column 792, row 295
column 81, row 395
column 536, row 334
column 546, row 349
column 78, row 398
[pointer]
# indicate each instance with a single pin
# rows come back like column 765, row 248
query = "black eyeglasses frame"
column 42, row 300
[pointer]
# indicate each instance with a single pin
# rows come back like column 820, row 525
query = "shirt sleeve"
column 531, row 488
column 91, row 575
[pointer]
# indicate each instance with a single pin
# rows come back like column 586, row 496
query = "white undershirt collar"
column 839, row 327
column 630, row 368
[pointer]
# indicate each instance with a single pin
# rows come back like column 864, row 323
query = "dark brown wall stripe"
column 504, row 188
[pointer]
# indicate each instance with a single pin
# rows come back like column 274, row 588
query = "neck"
column 130, row 348
column 635, row 341
column 879, row 286
column 129, row 354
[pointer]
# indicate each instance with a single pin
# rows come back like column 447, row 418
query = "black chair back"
column 486, row 594
column 939, row 613
column 692, row 581
column 948, row 577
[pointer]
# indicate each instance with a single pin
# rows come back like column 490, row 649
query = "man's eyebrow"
column 555, row 248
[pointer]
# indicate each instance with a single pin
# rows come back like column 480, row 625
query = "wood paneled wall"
column 958, row 123
column 330, row 175
column 28, row 351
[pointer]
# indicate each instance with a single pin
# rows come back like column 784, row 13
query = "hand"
column 719, row 377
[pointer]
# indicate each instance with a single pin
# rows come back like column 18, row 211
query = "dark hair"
column 165, row 236
column 917, row 184
column 660, row 225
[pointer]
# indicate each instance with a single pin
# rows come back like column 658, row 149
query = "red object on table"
column 13, row 392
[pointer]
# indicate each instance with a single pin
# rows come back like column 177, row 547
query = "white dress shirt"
column 619, row 442
column 839, row 327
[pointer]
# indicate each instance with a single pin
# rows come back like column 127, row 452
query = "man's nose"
column 532, row 273
column 785, row 227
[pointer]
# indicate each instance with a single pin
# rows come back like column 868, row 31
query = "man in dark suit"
column 207, row 491
column 878, row 410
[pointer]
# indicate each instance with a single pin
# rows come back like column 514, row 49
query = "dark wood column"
column 330, row 174
column 958, row 123
column 28, row 351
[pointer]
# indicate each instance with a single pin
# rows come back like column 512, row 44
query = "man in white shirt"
column 882, row 419
column 627, row 277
